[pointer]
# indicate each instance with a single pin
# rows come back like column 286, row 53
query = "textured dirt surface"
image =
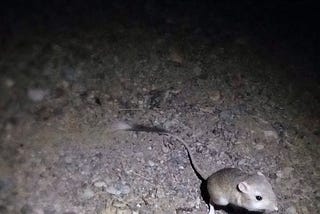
column 228, row 96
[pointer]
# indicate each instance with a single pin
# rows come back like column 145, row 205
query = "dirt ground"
column 236, row 101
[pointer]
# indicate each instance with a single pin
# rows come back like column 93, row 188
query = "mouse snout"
column 275, row 208
column 272, row 208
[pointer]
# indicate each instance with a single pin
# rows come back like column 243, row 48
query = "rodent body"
column 226, row 186
column 250, row 191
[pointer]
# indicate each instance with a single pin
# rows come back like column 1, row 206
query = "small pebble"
column 197, row 70
column 259, row 146
column 68, row 160
column 154, row 67
column 270, row 134
column 291, row 210
column 215, row 96
column 175, row 56
column 285, row 172
column 69, row 74
column 116, row 59
column 37, row 95
column 87, row 194
column 112, row 190
column 304, row 209
column 9, row 83
column 118, row 189
column 165, row 149
column 151, row 163
column 125, row 189
column 100, row 184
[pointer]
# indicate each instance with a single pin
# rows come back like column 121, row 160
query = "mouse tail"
column 141, row 128
column 137, row 128
column 193, row 163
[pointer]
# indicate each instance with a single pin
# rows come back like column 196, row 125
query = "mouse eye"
column 258, row 197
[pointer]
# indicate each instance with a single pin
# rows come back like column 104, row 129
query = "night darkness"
column 239, row 80
column 291, row 26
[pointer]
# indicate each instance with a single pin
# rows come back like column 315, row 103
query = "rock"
column 197, row 70
column 215, row 95
column 69, row 74
column 118, row 189
column 176, row 56
column 68, row 159
column 270, row 134
column 155, row 67
column 285, row 172
column 291, row 210
column 87, row 194
column 165, row 149
column 125, row 189
column 37, row 95
column 112, row 190
column 259, row 146
column 100, row 184
column 226, row 115
column 116, row 59
column 9, row 83
column 151, row 163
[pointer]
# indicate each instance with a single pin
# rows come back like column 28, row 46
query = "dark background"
column 293, row 24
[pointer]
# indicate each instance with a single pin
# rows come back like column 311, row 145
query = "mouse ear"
column 243, row 187
column 260, row 173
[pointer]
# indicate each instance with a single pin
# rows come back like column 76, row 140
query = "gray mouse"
column 226, row 186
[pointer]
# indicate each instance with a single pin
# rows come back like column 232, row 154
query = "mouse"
column 227, row 186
